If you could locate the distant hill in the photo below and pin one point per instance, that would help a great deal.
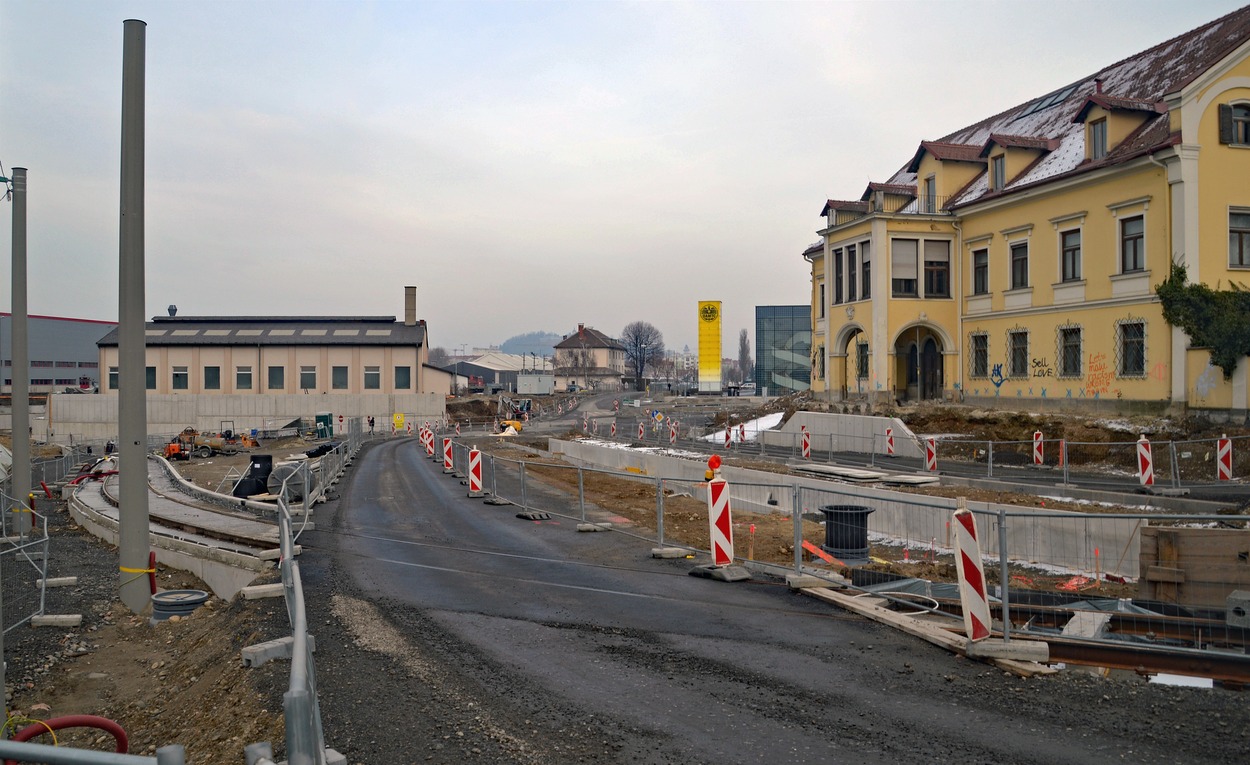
(540, 343)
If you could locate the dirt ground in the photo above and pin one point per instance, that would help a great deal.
(183, 681)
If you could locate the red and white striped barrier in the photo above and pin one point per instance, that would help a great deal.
(1145, 462)
(642, 431)
(807, 445)
(613, 429)
(1037, 447)
(616, 405)
(457, 430)
(672, 434)
(729, 435)
(972, 595)
(930, 454)
(720, 520)
(742, 432)
(889, 442)
(429, 443)
(1224, 459)
(447, 465)
(408, 426)
(475, 473)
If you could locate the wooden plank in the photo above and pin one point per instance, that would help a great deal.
(1165, 574)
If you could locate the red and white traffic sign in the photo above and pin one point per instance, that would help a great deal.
(1224, 459)
(721, 522)
(889, 442)
(930, 454)
(447, 466)
(340, 422)
(1037, 447)
(807, 445)
(972, 595)
(1145, 462)
(475, 473)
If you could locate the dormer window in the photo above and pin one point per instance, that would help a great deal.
(998, 172)
(1235, 124)
(1098, 139)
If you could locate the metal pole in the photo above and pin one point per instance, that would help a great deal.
(1176, 470)
(1063, 449)
(797, 513)
(524, 506)
(131, 361)
(659, 511)
(581, 493)
(20, 343)
(1003, 574)
(990, 463)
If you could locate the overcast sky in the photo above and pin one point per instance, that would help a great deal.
(527, 165)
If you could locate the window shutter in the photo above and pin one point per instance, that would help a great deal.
(1227, 129)
(903, 259)
(937, 252)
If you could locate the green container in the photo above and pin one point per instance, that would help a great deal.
(325, 425)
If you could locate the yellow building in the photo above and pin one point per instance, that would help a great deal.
(1018, 257)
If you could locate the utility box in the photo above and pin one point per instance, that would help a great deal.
(1238, 613)
(325, 425)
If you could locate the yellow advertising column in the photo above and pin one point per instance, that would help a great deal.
(709, 346)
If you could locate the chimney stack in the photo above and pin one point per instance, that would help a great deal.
(581, 329)
(410, 306)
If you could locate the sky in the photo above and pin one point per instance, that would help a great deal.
(527, 165)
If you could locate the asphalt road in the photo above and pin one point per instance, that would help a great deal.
(449, 630)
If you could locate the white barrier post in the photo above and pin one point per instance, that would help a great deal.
(930, 454)
(720, 517)
(889, 442)
(475, 474)
(447, 464)
(642, 431)
(807, 446)
(972, 595)
(1145, 462)
(1224, 458)
(613, 429)
(1037, 448)
(728, 436)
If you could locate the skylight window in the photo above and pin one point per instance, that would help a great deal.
(1046, 102)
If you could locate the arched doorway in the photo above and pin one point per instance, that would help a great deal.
(919, 364)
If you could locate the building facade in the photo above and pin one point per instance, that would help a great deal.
(589, 359)
(62, 351)
(262, 355)
(1019, 257)
(783, 348)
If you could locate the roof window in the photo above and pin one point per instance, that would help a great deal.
(1045, 102)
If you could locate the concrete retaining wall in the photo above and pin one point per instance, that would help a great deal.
(1035, 536)
(851, 432)
(94, 417)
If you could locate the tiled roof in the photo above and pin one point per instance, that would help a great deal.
(1140, 81)
(952, 152)
(857, 205)
(906, 189)
(813, 248)
(1041, 143)
(588, 337)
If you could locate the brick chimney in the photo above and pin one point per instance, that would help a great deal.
(410, 306)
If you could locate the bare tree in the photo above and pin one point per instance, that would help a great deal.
(439, 357)
(643, 345)
(744, 357)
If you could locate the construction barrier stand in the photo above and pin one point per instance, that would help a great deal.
(972, 595)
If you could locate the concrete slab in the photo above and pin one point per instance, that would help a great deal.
(58, 581)
(1016, 650)
(721, 573)
(594, 527)
(803, 581)
(915, 479)
(56, 620)
(493, 500)
(262, 653)
(258, 591)
(836, 471)
(669, 552)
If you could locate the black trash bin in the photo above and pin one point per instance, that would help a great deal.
(846, 531)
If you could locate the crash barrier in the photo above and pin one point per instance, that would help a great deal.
(305, 738)
(23, 564)
(1091, 464)
(774, 522)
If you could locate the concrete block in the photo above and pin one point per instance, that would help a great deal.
(261, 653)
(668, 552)
(334, 758)
(493, 500)
(58, 581)
(1017, 650)
(594, 527)
(258, 591)
(721, 573)
(803, 581)
(56, 620)
(276, 553)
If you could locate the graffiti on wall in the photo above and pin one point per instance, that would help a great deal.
(1042, 368)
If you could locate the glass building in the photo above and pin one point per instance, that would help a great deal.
(783, 348)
